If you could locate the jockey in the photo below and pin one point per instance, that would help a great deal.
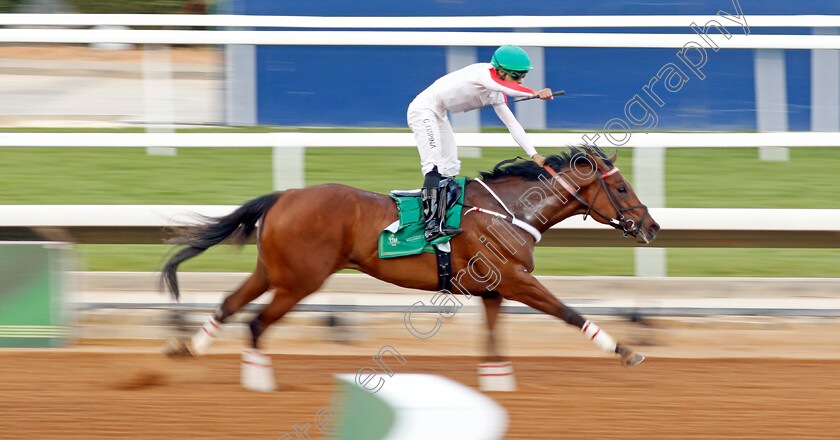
(475, 86)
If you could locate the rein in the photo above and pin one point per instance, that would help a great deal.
(620, 222)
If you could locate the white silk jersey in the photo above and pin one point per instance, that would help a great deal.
(473, 87)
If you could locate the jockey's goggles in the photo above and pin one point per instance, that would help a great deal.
(515, 74)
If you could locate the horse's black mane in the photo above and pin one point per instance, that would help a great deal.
(529, 170)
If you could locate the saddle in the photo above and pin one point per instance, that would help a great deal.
(453, 195)
(405, 236)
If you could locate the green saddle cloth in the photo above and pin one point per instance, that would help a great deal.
(408, 237)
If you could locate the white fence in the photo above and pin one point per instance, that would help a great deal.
(681, 227)
(387, 140)
(462, 22)
(409, 38)
(413, 38)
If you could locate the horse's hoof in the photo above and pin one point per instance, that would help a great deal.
(633, 359)
(175, 348)
(628, 356)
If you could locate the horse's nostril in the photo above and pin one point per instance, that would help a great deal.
(654, 228)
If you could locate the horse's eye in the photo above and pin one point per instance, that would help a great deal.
(622, 189)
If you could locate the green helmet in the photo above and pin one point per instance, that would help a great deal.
(511, 58)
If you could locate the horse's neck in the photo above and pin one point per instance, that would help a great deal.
(533, 202)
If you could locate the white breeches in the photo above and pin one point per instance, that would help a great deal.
(435, 141)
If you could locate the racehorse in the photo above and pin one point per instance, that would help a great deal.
(305, 235)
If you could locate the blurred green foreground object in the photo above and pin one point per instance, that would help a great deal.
(32, 313)
(402, 407)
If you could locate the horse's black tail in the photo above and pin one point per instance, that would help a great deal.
(237, 227)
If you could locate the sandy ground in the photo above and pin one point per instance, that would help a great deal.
(711, 378)
(71, 395)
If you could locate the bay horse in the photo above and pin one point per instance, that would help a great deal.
(305, 235)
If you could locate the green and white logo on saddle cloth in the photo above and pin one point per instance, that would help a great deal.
(405, 236)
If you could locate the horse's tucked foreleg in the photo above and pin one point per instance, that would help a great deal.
(532, 293)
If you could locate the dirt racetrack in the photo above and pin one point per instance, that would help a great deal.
(65, 395)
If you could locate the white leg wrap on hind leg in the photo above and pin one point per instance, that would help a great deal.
(202, 340)
(598, 336)
(257, 372)
(496, 376)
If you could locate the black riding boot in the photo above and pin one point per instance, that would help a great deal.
(444, 230)
(434, 213)
(430, 213)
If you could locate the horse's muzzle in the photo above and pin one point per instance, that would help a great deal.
(647, 235)
(641, 234)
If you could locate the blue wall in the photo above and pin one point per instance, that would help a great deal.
(372, 86)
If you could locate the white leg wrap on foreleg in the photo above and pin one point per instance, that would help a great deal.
(202, 340)
(598, 336)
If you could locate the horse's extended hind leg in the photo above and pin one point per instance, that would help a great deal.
(531, 292)
(251, 289)
(495, 374)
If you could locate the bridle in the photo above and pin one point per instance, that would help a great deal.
(626, 225)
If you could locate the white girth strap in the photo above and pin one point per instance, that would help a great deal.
(492, 193)
(528, 228)
(516, 222)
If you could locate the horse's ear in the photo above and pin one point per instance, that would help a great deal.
(593, 157)
(614, 156)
